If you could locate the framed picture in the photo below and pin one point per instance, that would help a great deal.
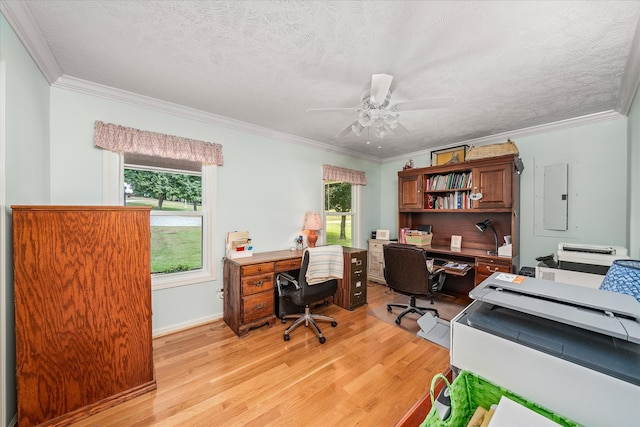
(456, 242)
(382, 234)
(449, 155)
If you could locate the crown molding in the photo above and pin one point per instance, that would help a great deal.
(19, 17)
(95, 89)
(533, 130)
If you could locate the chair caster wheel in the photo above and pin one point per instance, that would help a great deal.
(389, 309)
(398, 321)
(283, 320)
(322, 340)
(334, 324)
(287, 337)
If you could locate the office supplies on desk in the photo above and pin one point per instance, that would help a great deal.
(238, 244)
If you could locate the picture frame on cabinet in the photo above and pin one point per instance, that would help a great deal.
(382, 234)
(449, 155)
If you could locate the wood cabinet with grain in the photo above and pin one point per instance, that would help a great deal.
(82, 281)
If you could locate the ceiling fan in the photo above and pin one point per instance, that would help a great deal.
(375, 109)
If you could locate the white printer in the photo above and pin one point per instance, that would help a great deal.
(571, 349)
(582, 264)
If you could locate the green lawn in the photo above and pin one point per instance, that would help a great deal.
(333, 231)
(172, 248)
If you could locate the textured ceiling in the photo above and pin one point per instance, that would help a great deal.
(509, 65)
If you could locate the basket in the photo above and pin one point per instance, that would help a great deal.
(492, 150)
(468, 391)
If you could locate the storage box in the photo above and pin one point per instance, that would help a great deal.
(468, 391)
(419, 239)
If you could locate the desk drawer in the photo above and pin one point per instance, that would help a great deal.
(485, 267)
(257, 306)
(250, 270)
(254, 284)
(288, 264)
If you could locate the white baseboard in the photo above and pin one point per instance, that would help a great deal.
(185, 325)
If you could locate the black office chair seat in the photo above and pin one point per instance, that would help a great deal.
(300, 293)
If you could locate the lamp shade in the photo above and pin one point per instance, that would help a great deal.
(312, 221)
(624, 277)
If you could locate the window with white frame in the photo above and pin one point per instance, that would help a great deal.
(341, 202)
(180, 192)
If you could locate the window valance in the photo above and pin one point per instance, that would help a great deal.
(335, 173)
(129, 140)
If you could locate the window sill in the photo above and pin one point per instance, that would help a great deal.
(174, 280)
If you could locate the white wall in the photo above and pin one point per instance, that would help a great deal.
(265, 186)
(634, 179)
(598, 185)
(25, 180)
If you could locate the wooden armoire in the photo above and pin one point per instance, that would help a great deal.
(82, 282)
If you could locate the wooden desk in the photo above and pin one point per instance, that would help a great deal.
(248, 289)
(482, 264)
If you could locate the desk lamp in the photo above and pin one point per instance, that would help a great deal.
(312, 222)
(482, 226)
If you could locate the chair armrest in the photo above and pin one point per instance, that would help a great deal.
(283, 279)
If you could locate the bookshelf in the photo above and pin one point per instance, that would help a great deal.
(453, 198)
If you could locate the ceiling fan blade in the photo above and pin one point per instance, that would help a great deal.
(401, 130)
(346, 131)
(332, 110)
(380, 84)
(424, 104)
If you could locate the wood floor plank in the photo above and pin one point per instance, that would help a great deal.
(368, 372)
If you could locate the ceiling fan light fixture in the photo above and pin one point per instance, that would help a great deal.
(364, 119)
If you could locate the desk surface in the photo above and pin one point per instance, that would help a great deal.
(465, 252)
(281, 255)
(271, 256)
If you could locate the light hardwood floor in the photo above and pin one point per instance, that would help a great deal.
(368, 373)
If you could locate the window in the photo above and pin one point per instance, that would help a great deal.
(181, 196)
(340, 209)
(177, 176)
(176, 215)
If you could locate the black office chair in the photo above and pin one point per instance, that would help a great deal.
(406, 272)
(300, 293)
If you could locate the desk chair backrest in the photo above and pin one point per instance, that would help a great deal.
(308, 294)
(406, 270)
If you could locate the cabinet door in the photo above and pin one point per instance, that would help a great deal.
(410, 192)
(494, 182)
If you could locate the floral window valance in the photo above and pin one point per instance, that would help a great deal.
(335, 173)
(122, 139)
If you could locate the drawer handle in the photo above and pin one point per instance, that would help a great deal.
(357, 294)
(495, 270)
(259, 283)
(260, 306)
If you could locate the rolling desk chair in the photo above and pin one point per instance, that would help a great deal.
(406, 272)
(317, 280)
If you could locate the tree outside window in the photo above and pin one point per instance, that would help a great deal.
(338, 213)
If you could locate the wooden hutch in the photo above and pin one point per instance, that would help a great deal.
(452, 198)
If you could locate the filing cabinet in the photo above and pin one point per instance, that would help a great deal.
(352, 289)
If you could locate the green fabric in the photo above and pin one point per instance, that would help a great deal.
(468, 391)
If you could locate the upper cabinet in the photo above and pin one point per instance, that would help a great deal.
(410, 191)
(485, 184)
